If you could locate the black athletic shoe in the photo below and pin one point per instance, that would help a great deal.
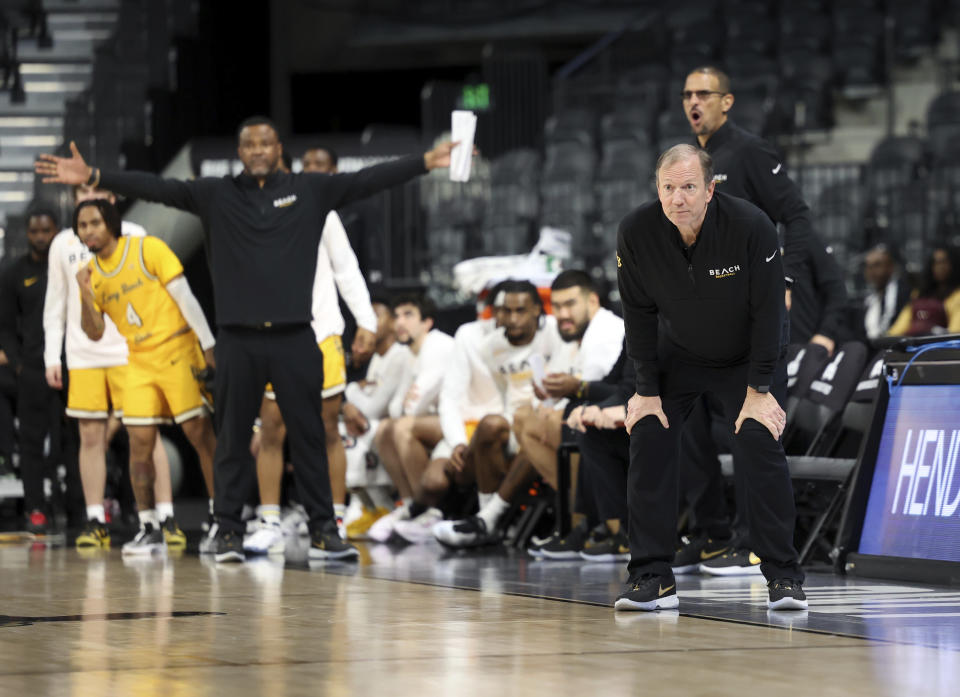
(649, 592)
(229, 546)
(607, 548)
(37, 523)
(786, 594)
(569, 547)
(733, 562)
(326, 543)
(696, 551)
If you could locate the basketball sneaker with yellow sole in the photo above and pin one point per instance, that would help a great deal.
(173, 535)
(93, 536)
(357, 529)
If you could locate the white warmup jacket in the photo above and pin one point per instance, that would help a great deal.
(61, 308)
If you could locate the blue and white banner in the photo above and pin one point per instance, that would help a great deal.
(913, 509)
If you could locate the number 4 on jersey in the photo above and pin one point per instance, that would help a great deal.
(133, 318)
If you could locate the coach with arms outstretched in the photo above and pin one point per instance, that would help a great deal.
(701, 281)
(262, 228)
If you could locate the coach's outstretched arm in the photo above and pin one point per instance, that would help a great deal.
(75, 171)
(337, 190)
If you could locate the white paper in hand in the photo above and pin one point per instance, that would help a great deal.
(463, 127)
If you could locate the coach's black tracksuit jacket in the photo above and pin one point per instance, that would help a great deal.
(717, 304)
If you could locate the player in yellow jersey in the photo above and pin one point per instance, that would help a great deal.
(139, 284)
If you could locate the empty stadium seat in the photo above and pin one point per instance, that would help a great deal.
(895, 162)
(577, 125)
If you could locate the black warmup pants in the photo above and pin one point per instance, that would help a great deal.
(8, 401)
(287, 356)
(652, 487)
(701, 479)
(604, 459)
(39, 411)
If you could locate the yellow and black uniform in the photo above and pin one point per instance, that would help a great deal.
(165, 358)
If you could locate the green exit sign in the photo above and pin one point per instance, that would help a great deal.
(475, 97)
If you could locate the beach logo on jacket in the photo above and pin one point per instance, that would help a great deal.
(285, 201)
(719, 178)
(725, 272)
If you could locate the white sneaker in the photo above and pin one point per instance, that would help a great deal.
(384, 527)
(208, 543)
(419, 529)
(147, 543)
(294, 522)
(469, 532)
(266, 539)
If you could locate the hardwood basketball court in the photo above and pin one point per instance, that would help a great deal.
(419, 620)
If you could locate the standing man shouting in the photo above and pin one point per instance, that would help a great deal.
(262, 231)
(702, 287)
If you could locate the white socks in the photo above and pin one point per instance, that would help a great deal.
(492, 511)
(165, 510)
(96, 513)
(150, 517)
(270, 514)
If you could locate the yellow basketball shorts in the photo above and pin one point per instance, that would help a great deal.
(163, 384)
(334, 369)
(95, 393)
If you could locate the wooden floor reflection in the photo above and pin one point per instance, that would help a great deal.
(73, 625)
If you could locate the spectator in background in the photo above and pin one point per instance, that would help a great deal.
(935, 307)
(889, 291)
(22, 290)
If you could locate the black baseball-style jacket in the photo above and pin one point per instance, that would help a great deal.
(262, 243)
(719, 303)
(22, 289)
(747, 166)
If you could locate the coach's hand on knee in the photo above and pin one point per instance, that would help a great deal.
(763, 408)
(641, 407)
